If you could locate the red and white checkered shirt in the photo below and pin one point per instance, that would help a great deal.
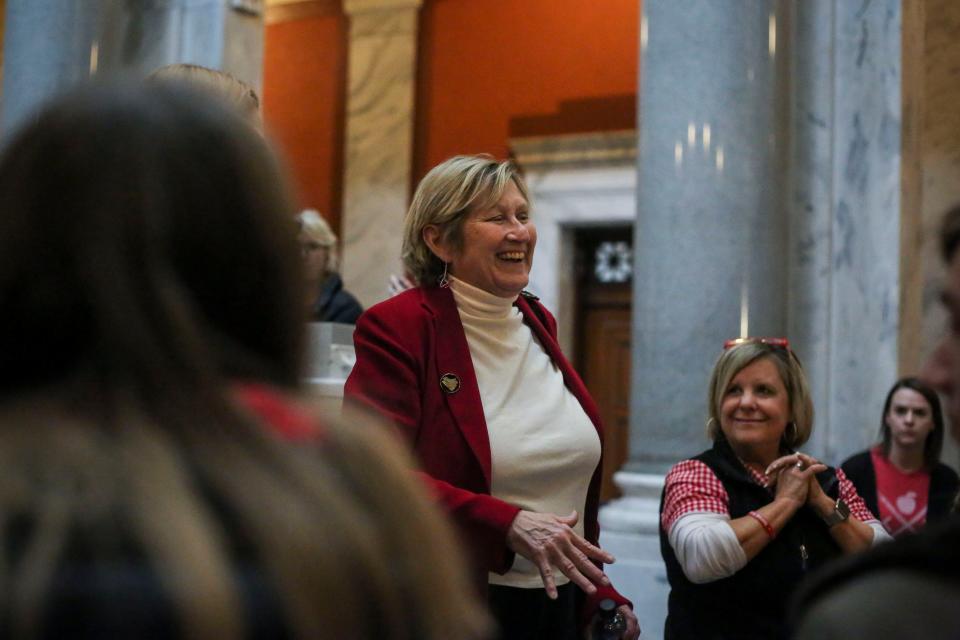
(692, 487)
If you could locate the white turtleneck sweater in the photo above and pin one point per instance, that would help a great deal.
(543, 447)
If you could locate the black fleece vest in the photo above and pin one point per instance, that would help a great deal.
(752, 603)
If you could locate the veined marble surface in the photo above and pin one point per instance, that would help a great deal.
(845, 222)
(378, 141)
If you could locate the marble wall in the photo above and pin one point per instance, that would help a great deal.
(844, 199)
(379, 134)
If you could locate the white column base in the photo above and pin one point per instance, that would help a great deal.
(629, 529)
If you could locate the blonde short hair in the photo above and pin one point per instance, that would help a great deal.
(316, 228)
(219, 83)
(445, 196)
(734, 359)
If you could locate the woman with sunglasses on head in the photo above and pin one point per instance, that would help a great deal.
(744, 521)
(902, 479)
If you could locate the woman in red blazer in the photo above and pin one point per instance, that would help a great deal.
(468, 366)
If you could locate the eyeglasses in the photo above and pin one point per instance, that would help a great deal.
(783, 343)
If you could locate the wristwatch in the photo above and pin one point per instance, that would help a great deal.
(839, 514)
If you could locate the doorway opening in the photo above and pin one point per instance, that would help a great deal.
(604, 294)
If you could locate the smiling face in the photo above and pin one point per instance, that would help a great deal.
(498, 243)
(909, 420)
(754, 411)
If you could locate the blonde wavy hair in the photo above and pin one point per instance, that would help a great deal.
(445, 197)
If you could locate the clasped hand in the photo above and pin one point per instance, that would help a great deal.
(794, 477)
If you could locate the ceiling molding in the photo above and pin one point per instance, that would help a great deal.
(354, 7)
(287, 10)
(581, 149)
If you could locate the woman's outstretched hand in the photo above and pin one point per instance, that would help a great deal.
(548, 540)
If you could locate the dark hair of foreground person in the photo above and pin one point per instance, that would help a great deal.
(157, 477)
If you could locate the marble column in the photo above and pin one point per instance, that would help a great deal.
(710, 243)
(48, 45)
(51, 45)
(711, 227)
(379, 135)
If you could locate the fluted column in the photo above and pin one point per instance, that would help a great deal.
(379, 137)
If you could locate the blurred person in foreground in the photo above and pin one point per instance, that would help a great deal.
(327, 300)
(468, 366)
(901, 478)
(158, 476)
(909, 589)
(743, 522)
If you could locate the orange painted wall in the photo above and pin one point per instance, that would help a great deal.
(303, 104)
(489, 69)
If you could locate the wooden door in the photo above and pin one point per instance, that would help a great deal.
(604, 264)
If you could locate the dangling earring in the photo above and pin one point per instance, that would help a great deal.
(790, 433)
(712, 431)
(443, 282)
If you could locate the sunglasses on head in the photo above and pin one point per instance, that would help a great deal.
(773, 342)
(779, 343)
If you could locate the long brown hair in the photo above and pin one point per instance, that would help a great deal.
(146, 262)
(933, 445)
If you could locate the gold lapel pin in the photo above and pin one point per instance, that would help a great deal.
(450, 383)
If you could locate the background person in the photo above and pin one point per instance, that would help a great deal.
(743, 522)
(468, 366)
(157, 478)
(902, 479)
(327, 300)
(217, 83)
(908, 589)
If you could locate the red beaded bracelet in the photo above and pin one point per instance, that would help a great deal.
(756, 515)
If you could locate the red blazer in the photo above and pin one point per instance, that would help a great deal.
(404, 345)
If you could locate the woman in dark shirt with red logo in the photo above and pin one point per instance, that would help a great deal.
(902, 479)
